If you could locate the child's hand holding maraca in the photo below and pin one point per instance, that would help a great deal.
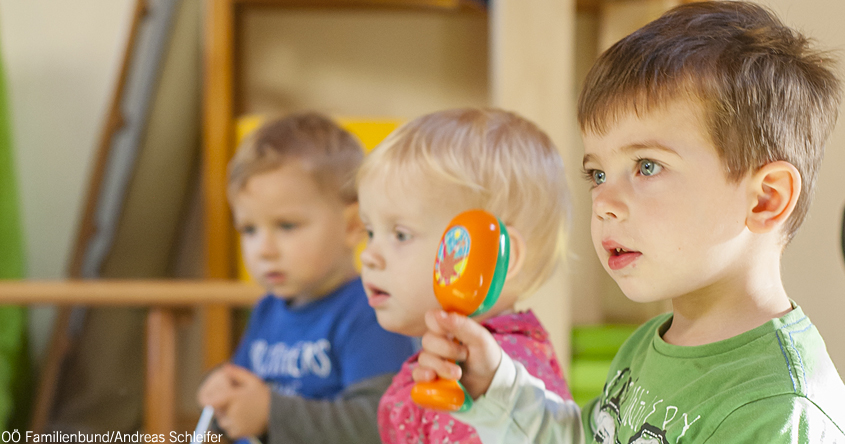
(476, 350)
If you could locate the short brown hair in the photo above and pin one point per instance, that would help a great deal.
(331, 153)
(767, 94)
(498, 161)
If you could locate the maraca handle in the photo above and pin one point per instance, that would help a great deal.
(442, 394)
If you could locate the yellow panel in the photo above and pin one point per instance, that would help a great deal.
(246, 125)
(370, 132)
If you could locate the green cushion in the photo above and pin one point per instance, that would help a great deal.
(593, 349)
(599, 341)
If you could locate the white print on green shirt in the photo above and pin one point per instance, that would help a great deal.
(624, 404)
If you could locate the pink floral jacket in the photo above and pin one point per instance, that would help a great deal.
(521, 337)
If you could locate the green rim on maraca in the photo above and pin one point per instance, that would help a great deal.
(499, 274)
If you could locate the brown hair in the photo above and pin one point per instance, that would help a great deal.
(767, 94)
(331, 153)
(498, 161)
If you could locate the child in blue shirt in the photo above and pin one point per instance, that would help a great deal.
(313, 361)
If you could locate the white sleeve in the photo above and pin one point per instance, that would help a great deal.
(517, 408)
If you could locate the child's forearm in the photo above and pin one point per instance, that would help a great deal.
(351, 417)
(518, 408)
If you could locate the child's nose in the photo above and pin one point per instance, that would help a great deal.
(608, 203)
(268, 247)
(371, 257)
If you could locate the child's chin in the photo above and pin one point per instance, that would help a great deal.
(394, 326)
(284, 292)
(642, 296)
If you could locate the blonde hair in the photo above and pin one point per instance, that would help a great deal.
(500, 162)
(328, 151)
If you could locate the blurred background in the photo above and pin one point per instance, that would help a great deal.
(121, 114)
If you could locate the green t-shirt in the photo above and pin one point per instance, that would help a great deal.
(773, 384)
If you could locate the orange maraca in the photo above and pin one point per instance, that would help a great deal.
(469, 272)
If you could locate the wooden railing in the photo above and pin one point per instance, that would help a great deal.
(163, 298)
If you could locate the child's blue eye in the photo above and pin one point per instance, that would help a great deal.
(370, 234)
(287, 226)
(246, 230)
(599, 177)
(649, 167)
(402, 236)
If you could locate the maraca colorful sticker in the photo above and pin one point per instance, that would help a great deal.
(452, 256)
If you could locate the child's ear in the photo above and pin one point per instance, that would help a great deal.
(354, 227)
(517, 253)
(773, 193)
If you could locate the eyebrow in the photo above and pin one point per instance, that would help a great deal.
(647, 145)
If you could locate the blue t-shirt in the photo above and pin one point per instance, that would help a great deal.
(318, 349)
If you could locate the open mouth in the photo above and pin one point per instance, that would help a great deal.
(618, 251)
(376, 296)
(620, 257)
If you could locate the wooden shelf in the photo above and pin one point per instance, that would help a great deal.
(591, 6)
(436, 5)
(595, 6)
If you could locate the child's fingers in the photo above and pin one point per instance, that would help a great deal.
(432, 322)
(423, 374)
(461, 328)
(227, 425)
(214, 391)
(229, 369)
(444, 368)
(218, 400)
(214, 380)
(202, 395)
(444, 347)
(237, 374)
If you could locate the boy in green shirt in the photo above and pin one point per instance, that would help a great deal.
(704, 132)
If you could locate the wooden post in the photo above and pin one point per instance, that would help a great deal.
(218, 144)
(532, 70)
(160, 392)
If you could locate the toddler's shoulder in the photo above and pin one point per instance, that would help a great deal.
(268, 307)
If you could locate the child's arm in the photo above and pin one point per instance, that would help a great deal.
(253, 410)
(245, 406)
(351, 417)
(518, 408)
(511, 405)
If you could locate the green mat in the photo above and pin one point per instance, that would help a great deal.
(593, 349)
(15, 369)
